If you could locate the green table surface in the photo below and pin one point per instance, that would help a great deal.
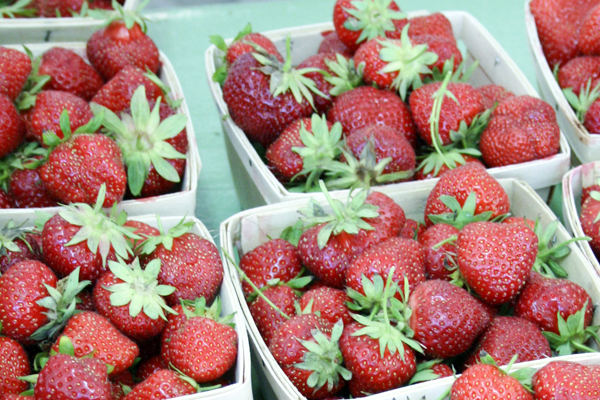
(183, 35)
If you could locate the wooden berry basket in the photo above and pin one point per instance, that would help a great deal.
(585, 146)
(572, 188)
(248, 229)
(495, 66)
(39, 30)
(177, 203)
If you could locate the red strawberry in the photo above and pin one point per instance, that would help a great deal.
(576, 72)
(52, 8)
(567, 380)
(446, 319)
(85, 301)
(367, 105)
(16, 397)
(468, 106)
(590, 210)
(118, 383)
(330, 302)
(92, 333)
(28, 190)
(148, 367)
(298, 361)
(588, 33)
(132, 299)
(521, 129)
(435, 24)
(120, 44)
(421, 174)
(331, 43)
(592, 118)
(507, 336)
(320, 61)
(412, 229)
(439, 262)
(266, 318)
(116, 94)
(13, 364)
(162, 384)
(16, 245)
(354, 22)
(69, 73)
(188, 262)
(493, 94)
(12, 127)
(21, 287)
(5, 200)
(459, 183)
(15, 67)
(445, 48)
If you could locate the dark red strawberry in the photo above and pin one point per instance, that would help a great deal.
(331, 43)
(116, 94)
(268, 319)
(446, 319)
(12, 127)
(367, 105)
(5, 200)
(146, 368)
(298, 362)
(440, 262)
(15, 67)
(28, 190)
(119, 382)
(435, 24)
(320, 61)
(162, 384)
(522, 128)
(17, 244)
(507, 336)
(567, 380)
(14, 364)
(493, 94)
(354, 22)
(85, 301)
(330, 302)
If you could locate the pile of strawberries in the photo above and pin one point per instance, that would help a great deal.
(569, 31)
(67, 127)
(361, 300)
(53, 8)
(385, 99)
(103, 307)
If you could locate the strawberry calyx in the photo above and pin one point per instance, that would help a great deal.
(166, 239)
(573, 334)
(372, 301)
(522, 375)
(347, 75)
(60, 305)
(98, 230)
(293, 233)
(118, 13)
(284, 78)
(33, 85)
(409, 61)
(140, 289)
(425, 372)
(197, 308)
(449, 155)
(347, 218)
(362, 172)
(166, 90)
(461, 74)
(460, 216)
(142, 138)
(324, 358)
(9, 233)
(372, 18)
(586, 97)
(19, 8)
(220, 73)
(297, 284)
(19, 159)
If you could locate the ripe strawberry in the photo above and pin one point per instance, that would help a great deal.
(116, 94)
(28, 190)
(330, 302)
(85, 301)
(421, 173)
(496, 259)
(15, 67)
(13, 364)
(440, 263)
(5, 200)
(15, 397)
(367, 105)
(445, 48)
(12, 127)
(162, 384)
(460, 183)
(294, 347)
(590, 223)
(576, 72)
(446, 319)
(587, 42)
(493, 94)
(521, 129)
(266, 318)
(123, 42)
(261, 109)
(118, 383)
(567, 380)
(435, 24)
(331, 43)
(17, 244)
(354, 23)
(412, 229)
(321, 62)
(92, 333)
(468, 105)
(21, 287)
(507, 336)
(132, 299)
(146, 368)
(52, 8)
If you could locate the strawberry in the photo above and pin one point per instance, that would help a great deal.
(496, 259)
(576, 72)
(435, 24)
(331, 43)
(493, 94)
(152, 168)
(17, 244)
(142, 230)
(29, 191)
(123, 42)
(306, 345)
(92, 333)
(460, 183)
(445, 318)
(15, 68)
(119, 384)
(85, 301)
(12, 127)
(355, 22)
(321, 61)
(188, 262)
(263, 109)
(54, 8)
(330, 302)
(412, 229)
(275, 259)
(427, 173)
(132, 299)
(14, 364)
(267, 318)
(116, 94)
(148, 367)
(5, 200)
(367, 105)
(446, 50)
(507, 336)
(71, 239)
(567, 380)
(522, 128)
(162, 384)
(588, 32)
(440, 263)
(588, 217)
(16, 397)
